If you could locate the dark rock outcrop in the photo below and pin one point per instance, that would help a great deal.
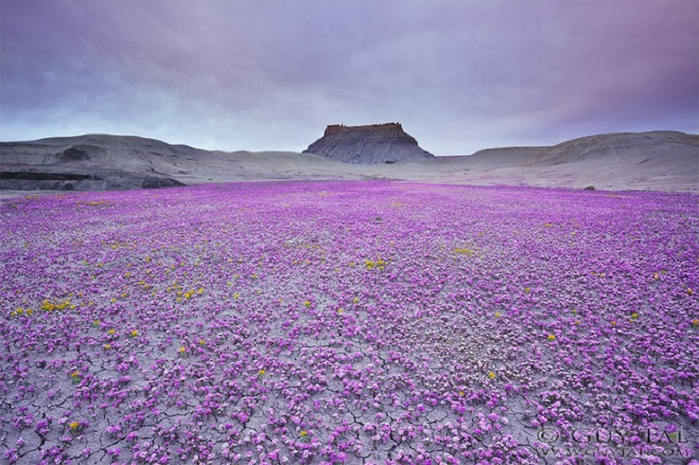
(75, 153)
(370, 144)
(28, 178)
(153, 182)
(36, 176)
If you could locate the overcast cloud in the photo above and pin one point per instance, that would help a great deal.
(270, 74)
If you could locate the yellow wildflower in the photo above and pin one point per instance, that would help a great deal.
(491, 374)
(551, 337)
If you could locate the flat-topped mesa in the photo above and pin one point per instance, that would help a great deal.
(368, 144)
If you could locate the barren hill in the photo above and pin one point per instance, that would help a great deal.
(659, 160)
(105, 162)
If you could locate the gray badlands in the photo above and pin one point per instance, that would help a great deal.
(660, 160)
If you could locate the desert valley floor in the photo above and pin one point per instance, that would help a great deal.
(349, 322)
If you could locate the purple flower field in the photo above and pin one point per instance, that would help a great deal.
(355, 322)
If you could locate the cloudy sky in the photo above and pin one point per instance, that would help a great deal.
(271, 74)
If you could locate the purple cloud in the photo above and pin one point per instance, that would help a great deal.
(270, 75)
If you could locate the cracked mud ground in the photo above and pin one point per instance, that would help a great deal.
(367, 322)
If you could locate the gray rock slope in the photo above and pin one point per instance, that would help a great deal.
(366, 145)
(89, 162)
(657, 160)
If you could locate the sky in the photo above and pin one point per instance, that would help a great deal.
(271, 74)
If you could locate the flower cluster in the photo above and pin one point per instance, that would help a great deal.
(344, 323)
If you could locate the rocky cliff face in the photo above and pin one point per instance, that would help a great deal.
(371, 144)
